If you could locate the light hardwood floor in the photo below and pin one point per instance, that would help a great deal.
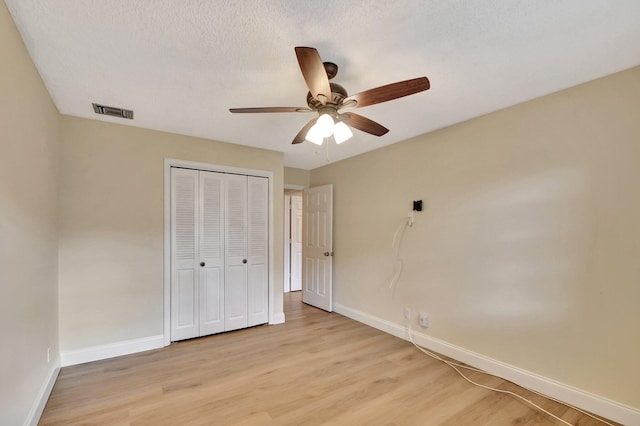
(316, 369)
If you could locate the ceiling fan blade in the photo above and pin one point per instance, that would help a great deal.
(389, 92)
(300, 137)
(314, 73)
(363, 123)
(271, 109)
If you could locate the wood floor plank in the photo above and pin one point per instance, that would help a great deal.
(318, 368)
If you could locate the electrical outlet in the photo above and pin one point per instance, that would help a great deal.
(407, 313)
(424, 320)
(48, 355)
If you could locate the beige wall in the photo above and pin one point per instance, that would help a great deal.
(528, 249)
(29, 141)
(297, 177)
(112, 225)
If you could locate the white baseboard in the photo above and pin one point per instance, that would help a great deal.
(278, 318)
(43, 395)
(111, 350)
(587, 401)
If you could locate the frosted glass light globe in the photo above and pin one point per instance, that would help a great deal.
(314, 135)
(341, 132)
(325, 125)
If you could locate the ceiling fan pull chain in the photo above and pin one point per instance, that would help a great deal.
(327, 144)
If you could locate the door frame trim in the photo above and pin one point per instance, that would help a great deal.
(172, 162)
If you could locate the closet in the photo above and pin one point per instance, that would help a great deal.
(219, 252)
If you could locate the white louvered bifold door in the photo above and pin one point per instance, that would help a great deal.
(212, 252)
(258, 259)
(236, 252)
(219, 252)
(184, 254)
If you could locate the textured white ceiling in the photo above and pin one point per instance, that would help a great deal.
(180, 64)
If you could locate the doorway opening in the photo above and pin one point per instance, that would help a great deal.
(292, 240)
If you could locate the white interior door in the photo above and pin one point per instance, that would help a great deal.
(258, 250)
(296, 243)
(212, 236)
(185, 256)
(236, 252)
(219, 252)
(317, 248)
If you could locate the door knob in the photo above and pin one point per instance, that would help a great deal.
(326, 253)
(244, 260)
(202, 263)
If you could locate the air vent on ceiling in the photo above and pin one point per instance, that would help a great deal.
(112, 111)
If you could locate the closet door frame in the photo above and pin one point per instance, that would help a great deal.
(274, 317)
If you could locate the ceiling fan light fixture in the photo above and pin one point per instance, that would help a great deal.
(314, 135)
(341, 132)
(328, 99)
(325, 125)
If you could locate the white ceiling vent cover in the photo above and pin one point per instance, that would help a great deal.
(112, 111)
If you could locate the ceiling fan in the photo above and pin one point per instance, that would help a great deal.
(327, 99)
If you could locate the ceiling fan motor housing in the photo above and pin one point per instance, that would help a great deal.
(338, 94)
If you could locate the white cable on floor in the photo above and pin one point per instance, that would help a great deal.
(395, 246)
(455, 365)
